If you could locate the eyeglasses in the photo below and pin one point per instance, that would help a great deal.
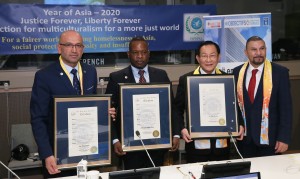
(135, 53)
(212, 56)
(71, 46)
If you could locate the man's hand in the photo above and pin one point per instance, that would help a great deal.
(118, 149)
(175, 144)
(112, 113)
(281, 147)
(51, 165)
(241, 133)
(185, 135)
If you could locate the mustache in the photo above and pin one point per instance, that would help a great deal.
(259, 57)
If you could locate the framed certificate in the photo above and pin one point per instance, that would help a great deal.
(82, 130)
(211, 104)
(146, 116)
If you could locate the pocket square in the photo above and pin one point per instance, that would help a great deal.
(90, 88)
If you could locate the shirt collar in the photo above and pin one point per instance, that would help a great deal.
(260, 68)
(135, 70)
(204, 73)
(69, 68)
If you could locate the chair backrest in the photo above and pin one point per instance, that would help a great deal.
(22, 134)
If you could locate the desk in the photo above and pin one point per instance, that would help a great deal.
(272, 167)
(25, 164)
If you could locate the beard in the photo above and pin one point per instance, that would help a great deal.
(258, 60)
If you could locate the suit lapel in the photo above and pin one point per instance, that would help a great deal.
(84, 78)
(128, 75)
(152, 76)
(245, 90)
(259, 92)
(63, 77)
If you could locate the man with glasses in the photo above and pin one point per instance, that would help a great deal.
(138, 72)
(208, 57)
(67, 76)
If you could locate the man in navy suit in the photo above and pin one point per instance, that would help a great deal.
(139, 56)
(57, 79)
(264, 98)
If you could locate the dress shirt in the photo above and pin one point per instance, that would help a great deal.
(136, 74)
(69, 69)
(258, 76)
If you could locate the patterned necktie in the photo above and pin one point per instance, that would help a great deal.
(142, 78)
(252, 84)
(76, 84)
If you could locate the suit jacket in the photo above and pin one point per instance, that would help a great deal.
(181, 103)
(48, 82)
(280, 107)
(126, 76)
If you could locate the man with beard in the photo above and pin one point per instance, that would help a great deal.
(264, 98)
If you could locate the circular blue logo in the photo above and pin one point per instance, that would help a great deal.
(196, 23)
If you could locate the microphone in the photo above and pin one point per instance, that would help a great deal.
(10, 170)
(102, 85)
(233, 140)
(139, 135)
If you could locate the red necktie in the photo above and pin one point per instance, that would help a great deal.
(252, 84)
(142, 78)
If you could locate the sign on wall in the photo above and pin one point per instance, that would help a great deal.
(35, 28)
(231, 33)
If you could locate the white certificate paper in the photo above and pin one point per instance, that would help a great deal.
(83, 131)
(146, 116)
(212, 104)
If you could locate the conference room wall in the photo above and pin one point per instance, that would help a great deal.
(14, 103)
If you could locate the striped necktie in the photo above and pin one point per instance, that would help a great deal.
(76, 83)
(142, 78)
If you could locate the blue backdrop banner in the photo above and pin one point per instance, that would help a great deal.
(35, 29)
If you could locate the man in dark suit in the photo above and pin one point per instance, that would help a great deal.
(57, 79)
(139, 56)
(264, 97)
(208, 57)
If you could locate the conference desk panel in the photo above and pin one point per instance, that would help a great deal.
(272, 167)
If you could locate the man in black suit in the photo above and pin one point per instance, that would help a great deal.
(139, 56)
(266, 108)
(208, 57)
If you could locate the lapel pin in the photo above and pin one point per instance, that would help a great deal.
(61, 74)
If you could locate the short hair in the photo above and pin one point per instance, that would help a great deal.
(135, 39)
(207, 43)
(254, 38)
